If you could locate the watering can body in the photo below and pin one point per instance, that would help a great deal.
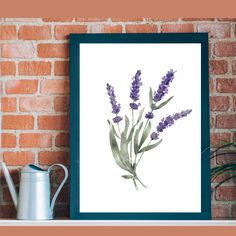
(33, 201)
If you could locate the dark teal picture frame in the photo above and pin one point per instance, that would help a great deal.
(75, 40)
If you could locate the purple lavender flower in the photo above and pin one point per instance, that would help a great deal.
(136, 84)
(154, 136)
(117, 119)
(149, 115)
(134, 106)
(169, 120)
(163, 87)
(115, 106)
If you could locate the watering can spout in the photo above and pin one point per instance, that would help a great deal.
(10, 183)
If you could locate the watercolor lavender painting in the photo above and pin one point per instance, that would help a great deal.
(128, 145)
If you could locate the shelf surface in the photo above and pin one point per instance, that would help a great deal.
(10, 222)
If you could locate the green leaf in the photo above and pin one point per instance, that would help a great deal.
(131, 134)
(149, 147)
(140, 115)
(113, 128)
(126, 125)
(124, 154)
(127, 176)
(145, 134)
(163, 103)
(115, 133)
(150, 98)
(115, 150)
(136, 137)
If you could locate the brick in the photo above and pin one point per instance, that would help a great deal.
(8, 140)
(177, 28)
(212, 121)
(59, 122)
(22, 19)
(17, 122)
(21, 86)
(90, 19)
(234, 210)
(225, 49)
(8, 32)
(7, 211)
(218, 138)
(219, 103)
(234, 67)
(53, 157)
(106, 28)
(18, 50)
(39, 104)
(226, 19)
(211, 86)
(147, 28)
(226, 85)
(62, 140)
(58, 19)
(55, 86)
(61, 68)
(30, 140)
(220, 211)
(63, 31)
(18, 158)
(64, 194)
(226, 121)
(218, 67)
(62, 210)
(215, 30)
(165, 19)
(8, 104)
(53, 50)
(30, 32)
(226, 157)
(234, 103)
(197, 19)
(220, 177)
(59, 175)
(7, 68)
(61, 104)
(6, 195)
(226, 193)
(34, 68)
(126, 19)
(15, 175)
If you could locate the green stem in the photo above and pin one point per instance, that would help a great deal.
(135, 184)
(135, 159)
(119, 129)
(141, 182)
(146, 124)
(143, 153)
(131, 143)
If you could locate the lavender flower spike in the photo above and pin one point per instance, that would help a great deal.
(169, 120)
(154, 136)
(134, 94)
(163, 87)
(149, 115)
(115, 106)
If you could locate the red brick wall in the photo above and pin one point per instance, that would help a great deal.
(35, 91)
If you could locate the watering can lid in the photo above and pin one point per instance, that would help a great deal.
(30, 168)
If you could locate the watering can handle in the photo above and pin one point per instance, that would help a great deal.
(60, 186)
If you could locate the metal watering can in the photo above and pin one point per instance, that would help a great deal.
(33, 201)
